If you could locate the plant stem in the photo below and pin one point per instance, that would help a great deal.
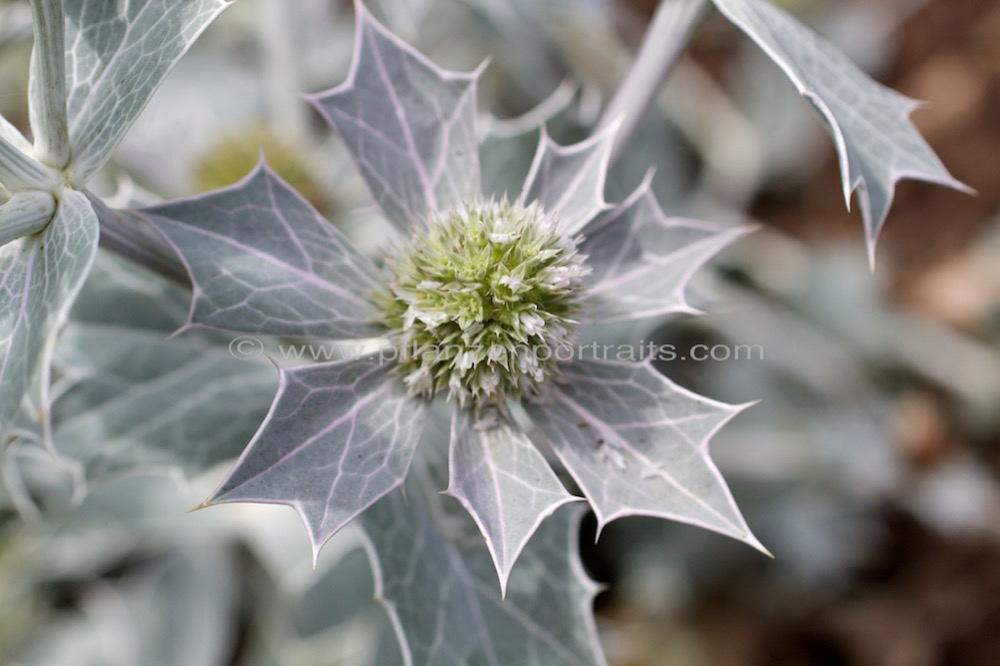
(666, 39)
(129, 236)
(47, 89)
(20, 172)
(281, 71)
(26, 213)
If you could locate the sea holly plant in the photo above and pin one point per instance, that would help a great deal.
(481, 421)
(480, 308)
(94, 66)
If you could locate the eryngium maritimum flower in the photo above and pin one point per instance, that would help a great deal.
(482, 302)
(474, 279)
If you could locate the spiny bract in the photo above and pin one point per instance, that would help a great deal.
(482, 300)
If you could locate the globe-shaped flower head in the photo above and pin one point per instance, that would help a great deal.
(482, 302)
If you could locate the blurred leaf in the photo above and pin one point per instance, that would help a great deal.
(120, 293)
(876, 142)
(174, 612)
(145, 402)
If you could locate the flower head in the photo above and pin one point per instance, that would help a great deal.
(481, 299)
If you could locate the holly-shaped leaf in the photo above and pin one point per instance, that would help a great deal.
(262, 260)
(39, 278)
(637, 444)
(410, 125)
(442, 596)
(338, 437)
(568, 181)
(642, 260)
(504, 482)
(876, 142)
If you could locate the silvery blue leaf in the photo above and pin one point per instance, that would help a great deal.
(118, 292)
(568, 181)
(504, 482)
(39, 278)
(637, 444)
(876, 142)
(262, 260)
(144, 402)
(410, 125)
(176, 610)
(338, 437)
(441, 593)
(117, 56)
(642, 260)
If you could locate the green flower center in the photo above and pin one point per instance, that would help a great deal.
(481, 302)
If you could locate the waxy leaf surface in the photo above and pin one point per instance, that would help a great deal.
(568, 181)
(410, 125)
(642, 260)
(47, 83)
(504, 482)
(24, 214)
(338, 437)
(118, 54)
(262, 260)
(876, 142)
(40, 277)
(442, 596)
(638, 445)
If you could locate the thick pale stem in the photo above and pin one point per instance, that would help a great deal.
(281, 69)
(666, 39)
(137, 242)
(47, 90)
(20, 172)
(25, 214)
